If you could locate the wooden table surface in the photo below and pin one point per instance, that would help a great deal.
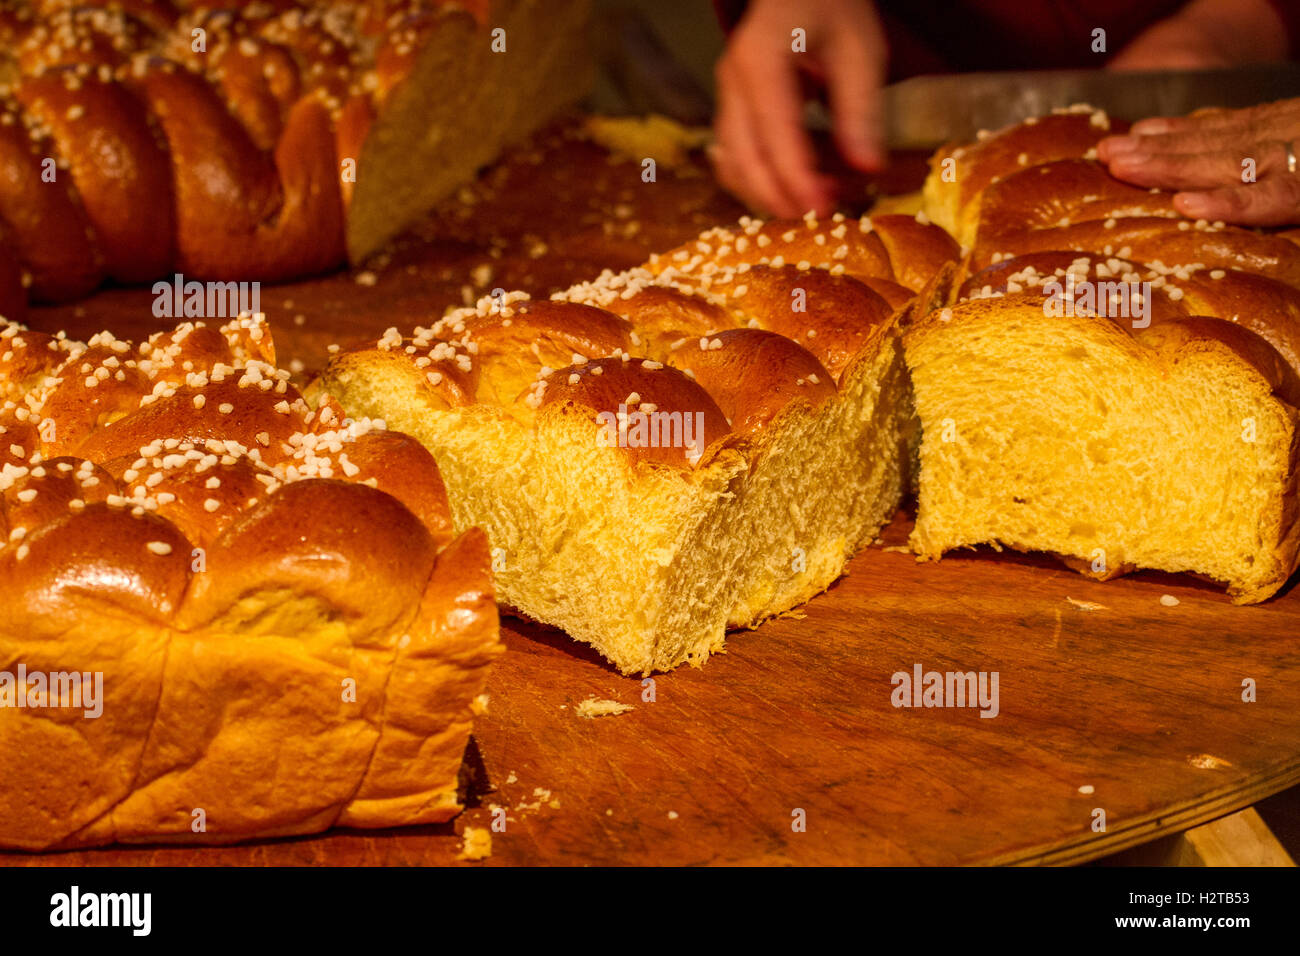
(1137, 700)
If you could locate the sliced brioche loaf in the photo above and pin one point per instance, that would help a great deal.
(1164, 448)
(791, 382)
(1112, 382)
(279, 628)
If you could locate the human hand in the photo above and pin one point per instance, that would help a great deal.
(1233, 165)
(762, 151)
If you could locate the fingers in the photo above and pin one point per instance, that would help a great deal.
(1280, 120)
(775, 105)
(1270, 202)
(1187, 170)
(762, 152)
(1212, 188)
(1203, 131)
(738, 161)
(1206, 155)
(1173, 142)
(1204, 119)
(855, 71)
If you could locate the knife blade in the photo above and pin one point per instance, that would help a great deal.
(926, 111)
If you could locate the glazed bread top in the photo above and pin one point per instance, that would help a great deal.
(733, 326)
(139, 137)
(183, 481)
(961, 172)
(1037, 187)
(1256, 315)
(1039, 216)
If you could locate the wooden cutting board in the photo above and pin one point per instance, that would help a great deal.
(1109, 700)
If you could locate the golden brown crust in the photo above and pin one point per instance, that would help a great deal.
(612, 391)
(245, 573)
(1076, 205)
(400, 466)
(86, 560)
(916, 249)
(229, 125)
(126, 172)
(901, 249)
(753, 374)
(45, 492)
(375, 582)
(1266, 308)
(829, 315)
(1050, 194)
(671, 462)
(979, 165)
(664, 316)
(509, 345)
(758, 331)
(821, 244)
(1256, 351)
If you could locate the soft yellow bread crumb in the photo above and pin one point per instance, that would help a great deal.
(634, 137)
(906, 204)
(592, 708)
(1086, 605)
(1112, 446)
(476, 844)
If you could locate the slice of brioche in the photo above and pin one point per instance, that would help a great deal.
(647, 557)
(1169, 447)
(475, 86)
(781, 337)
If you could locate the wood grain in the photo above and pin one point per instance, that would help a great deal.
(1239, 839)
(1140, 701)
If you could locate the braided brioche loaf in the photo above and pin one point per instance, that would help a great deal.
(288, 633)
(1111, 382)
(251, 141)
(664, 453)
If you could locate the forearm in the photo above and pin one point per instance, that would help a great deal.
(1210, 33)
(1246, 30)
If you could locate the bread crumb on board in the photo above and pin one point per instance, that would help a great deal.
(476, 844)
(634, 138)
(592, 708)
(1087, 605)
(1168, 600)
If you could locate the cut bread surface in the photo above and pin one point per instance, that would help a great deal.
(1107, 380)
(1165, 449)
(516, 71)
(781, 339)
(650, 564)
